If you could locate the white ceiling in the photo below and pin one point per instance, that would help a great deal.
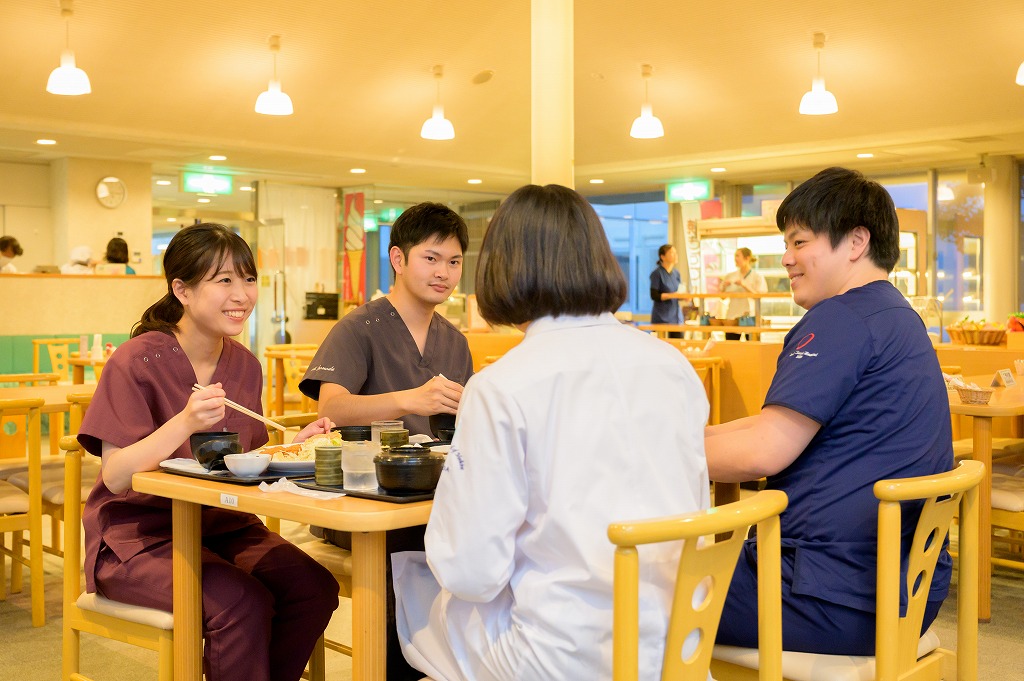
(919, 84)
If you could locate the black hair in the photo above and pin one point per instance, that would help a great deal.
(545, 253)
(190, 257)
(11, 243)
(835, 202)
(427, 221)
(117, 250)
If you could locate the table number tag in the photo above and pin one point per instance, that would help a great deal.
(1004, 377)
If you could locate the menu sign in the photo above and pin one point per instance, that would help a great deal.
(1004, 377)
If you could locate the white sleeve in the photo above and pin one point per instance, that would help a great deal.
(481, 499)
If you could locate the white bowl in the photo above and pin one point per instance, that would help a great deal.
(247, 465)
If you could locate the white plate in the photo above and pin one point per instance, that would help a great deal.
(292, 466)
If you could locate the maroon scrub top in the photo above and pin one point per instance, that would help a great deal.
(145, 382)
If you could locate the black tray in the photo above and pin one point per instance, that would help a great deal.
(380, 495)
(233, 479)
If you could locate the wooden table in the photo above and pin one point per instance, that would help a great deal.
(78, 365)
(56, 397)
(1005, 402)
(366, 519)
(662, 330)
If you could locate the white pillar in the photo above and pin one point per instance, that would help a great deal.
(1000, 247)
(551, 90)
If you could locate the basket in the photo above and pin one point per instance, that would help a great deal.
(976, 336)
(725, 322)
(975, 396)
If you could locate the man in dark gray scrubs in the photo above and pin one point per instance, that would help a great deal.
(396, 358)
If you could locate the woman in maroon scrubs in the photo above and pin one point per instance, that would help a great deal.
(265, 602)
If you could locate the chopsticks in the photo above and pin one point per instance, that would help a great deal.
(247, 412)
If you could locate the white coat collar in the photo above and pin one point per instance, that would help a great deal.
(545, 324)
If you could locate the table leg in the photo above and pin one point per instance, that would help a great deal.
(369, 640)
(982, 428)
(188, 591)
(716, 397)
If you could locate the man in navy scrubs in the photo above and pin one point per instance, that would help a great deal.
(857, 397)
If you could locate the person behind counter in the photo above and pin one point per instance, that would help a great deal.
(665, 278)
(9, 250)
(265, 602)
(79, 261)
(117, 254)
(857, 397)
(744, 278)
(585, 422)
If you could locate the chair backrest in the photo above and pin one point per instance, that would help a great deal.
(58, 357)
(705, 570)
(30, 379)
(79, 404)
(943, 495)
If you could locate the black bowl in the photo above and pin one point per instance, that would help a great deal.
(209, 448)
(446, 434)
(440, 422)
(354, 433)
(398, 471)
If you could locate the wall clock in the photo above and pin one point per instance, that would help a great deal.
(111, 192)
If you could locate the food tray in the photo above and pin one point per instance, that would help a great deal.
(380, 495)
(976, 336)
(226, 476)
(972, 396)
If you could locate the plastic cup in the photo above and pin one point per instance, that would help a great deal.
(377, 426)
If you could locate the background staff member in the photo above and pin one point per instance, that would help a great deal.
(9, 250)
(857, 397)
(744, 278)
(665, 278)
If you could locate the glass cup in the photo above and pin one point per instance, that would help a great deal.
(358, 470)
(377, 426)
(1018, 367)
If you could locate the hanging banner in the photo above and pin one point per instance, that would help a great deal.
(353, 260)
(691, 244)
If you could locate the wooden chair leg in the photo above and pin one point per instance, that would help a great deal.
(3, 566)
(18, 551)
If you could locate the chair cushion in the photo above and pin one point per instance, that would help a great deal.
(1007, 492)
(54, 494)
(814, 667)
(12, 499)
(1001, 447)
(15, 466)
(54, 477)
(337, 560)
(133, 613)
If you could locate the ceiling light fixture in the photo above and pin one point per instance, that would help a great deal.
(597, 180)
(357, 171)
(437, 127)
(865, 155)
(68, 79)
(273, 102)
(46, 143)
(818, 101)
(218, 157)
(646, 126)
(718, 169)
(1020, 74)
(164, 183)
(474, 181)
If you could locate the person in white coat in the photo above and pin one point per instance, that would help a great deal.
(586, 422)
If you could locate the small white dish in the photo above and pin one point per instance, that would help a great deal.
(247, 465)
(307, 466)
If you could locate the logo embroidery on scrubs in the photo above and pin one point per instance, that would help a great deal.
(321, 367)
(804, 342)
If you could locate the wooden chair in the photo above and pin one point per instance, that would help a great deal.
(901, 653)
(703, 564)
(52, 481)
(22, 511)
(59, 350)
(288, 381)
(91, 613)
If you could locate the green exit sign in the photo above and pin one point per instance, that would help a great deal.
(690, 190)
(205, 183)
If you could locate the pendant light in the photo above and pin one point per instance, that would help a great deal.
(818, 101)
(273, 102)
(437, 127)
(646, 126)
(68, 79)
